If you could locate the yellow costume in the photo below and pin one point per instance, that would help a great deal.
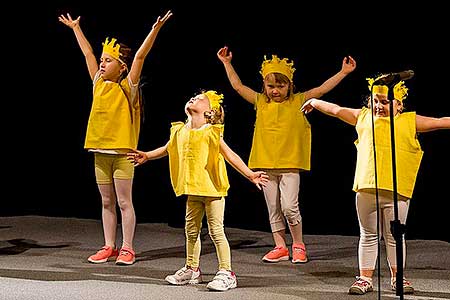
(282, 135)
(114, 121)
(196, 165)
(408, 153)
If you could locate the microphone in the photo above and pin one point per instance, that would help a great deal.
(394, 78)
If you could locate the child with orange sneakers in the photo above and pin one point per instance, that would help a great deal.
(113, 130)
(373, 184)
(281, 144)
(197, 154)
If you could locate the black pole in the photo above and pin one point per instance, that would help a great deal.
(397, 229)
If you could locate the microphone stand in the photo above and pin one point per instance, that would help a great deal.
(397, 229)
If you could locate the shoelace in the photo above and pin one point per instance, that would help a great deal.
(299, 249)
(362, 283)
(124, 252)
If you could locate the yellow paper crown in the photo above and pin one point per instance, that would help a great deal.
(276, 65)
(214, 99)
(400, 90)
(112, 48)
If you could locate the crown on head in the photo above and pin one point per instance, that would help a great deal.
(214, 99)
(112, 48)
(400, 90)
(277, 65)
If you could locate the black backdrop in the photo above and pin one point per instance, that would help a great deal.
(54, 175)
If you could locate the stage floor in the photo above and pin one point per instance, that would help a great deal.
(46, 258)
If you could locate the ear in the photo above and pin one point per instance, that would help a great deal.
(123, 68)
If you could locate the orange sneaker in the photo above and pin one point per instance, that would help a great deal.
(299, 253)
(277, 254)
(126, 256)
(103, 255)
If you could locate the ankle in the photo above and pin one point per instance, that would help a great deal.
(366, 278)
(195, 269)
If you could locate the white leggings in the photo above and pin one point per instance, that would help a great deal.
(281, 194)
(367, 216)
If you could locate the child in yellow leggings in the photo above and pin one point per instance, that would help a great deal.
(197, 154)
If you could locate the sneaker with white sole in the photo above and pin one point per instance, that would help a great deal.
(407, 286)
(184, 276)
(361, 286)
(277, 254)
(223, 281)
(103, 255)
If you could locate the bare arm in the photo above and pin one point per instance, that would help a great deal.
(141, 53)
(424, 124)
(348, 65)
(139, 157)
(259, 178)
(247, 93)
(84, 44)
(348, 115)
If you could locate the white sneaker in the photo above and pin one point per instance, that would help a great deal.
(185, 276)
(223, 281)
(361, 286)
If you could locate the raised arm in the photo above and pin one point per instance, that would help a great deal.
(139, 157)
(91, 60)
(141, 53)
(348, 115)
(424, 124)
(348, 65)
(225, 56)
(259, 178)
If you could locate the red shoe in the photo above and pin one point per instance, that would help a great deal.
(103, 255)
(126, 256)
(277, 254)
(299, 253)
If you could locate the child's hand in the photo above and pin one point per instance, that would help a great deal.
(307, 106)
(68, 21)
(137, 157)
(224, 55)
(160, 21)
(348, 64)
(259, 178)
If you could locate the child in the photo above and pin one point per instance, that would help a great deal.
(113, 130)
(196, 152)
(408, 157)
(281, 144)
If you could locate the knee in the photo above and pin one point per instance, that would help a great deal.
(292, 215)
(217, 233)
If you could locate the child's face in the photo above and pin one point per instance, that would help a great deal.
(276, 91)
(381, 105)
(110, 68)
(199, 104)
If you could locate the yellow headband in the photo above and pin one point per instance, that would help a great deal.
(112, 48)
(276, 65)
(400, 90)
(214, 99)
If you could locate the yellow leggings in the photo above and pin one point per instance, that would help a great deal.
(214, 207)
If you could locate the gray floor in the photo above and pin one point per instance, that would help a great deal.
(45, 258)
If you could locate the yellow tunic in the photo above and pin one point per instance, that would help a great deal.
(114, 122)
(196, 165)
(408, 153)
(282, 135)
